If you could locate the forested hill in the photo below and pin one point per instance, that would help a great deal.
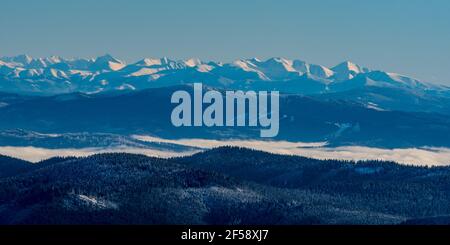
(225, 185)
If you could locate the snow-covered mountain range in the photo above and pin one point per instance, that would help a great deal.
(54, 75)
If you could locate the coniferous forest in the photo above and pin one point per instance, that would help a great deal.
(226, 185)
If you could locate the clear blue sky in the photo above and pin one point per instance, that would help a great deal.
(406, 36)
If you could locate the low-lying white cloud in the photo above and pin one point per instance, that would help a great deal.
(36, 154)
(318, 150)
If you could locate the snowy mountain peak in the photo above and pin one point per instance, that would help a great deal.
(349, 66)
(149, 62)
(348, 70)
(287, 64)
(107, 62)
(277, 60)
(24, 59)
(255, 60)
(193, 62)
(54, 59)
(107, 58)
(19, 60)
(320, 71)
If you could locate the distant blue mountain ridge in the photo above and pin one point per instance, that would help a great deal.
(302, 118)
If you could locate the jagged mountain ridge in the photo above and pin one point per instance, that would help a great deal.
(54, 75)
